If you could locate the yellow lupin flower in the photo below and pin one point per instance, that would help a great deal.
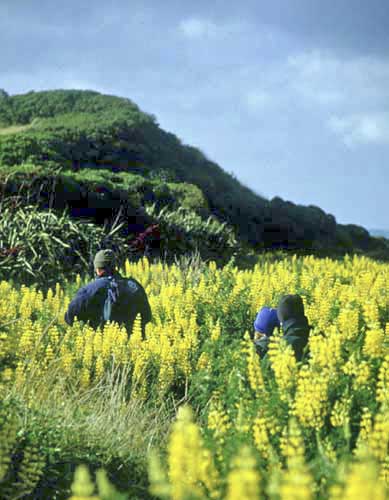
(139, 373)
(340, 413)
(371, 313)
(82, 486)
(203, 361)
(243, 481)
(254, 372)
(325, 349)
(297, 482)
(218, 421)
(283, 363)
(383, 382)
(309, 405)
(261, 437)
(20, 374)
(363, 477)
(379, 436)
(85, 377)
(373, 345)
(49, 354)
(159, 483)
(216, 331)
(185, 456)
(99, 367)
(67, 360)
(348, 322)
(209, 475)
(365, 429)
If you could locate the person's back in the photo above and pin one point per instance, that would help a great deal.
(125, 297)
(130, 301)
(294, 323)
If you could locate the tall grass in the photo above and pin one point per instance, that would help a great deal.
(103, 426)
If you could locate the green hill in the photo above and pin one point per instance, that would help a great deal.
(105, 147)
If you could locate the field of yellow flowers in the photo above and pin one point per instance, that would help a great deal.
(241, 428)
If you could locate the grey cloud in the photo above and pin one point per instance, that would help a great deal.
(369, 128)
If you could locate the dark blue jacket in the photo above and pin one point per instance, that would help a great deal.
(88, 304)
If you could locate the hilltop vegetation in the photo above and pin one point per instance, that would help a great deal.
(108, 147)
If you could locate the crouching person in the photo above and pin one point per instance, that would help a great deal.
(294, 324)
(110, 297)
(264, 325)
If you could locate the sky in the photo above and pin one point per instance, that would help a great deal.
(291, 96)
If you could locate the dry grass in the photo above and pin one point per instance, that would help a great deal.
(15, 129)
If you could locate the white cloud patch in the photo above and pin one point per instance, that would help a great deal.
(352, 93)
(349, 95)
(329, 80)
(361, 128)
(197, 28)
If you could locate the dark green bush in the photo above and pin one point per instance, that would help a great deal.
(184, 231)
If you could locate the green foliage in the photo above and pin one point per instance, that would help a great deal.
(44, 247)
(188, 196)
(23, 171)
(85, 129)
(184, 231)
(81, 130)
(93, 178)
(22, 109)
(21, 461)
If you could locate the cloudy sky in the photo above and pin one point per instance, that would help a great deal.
(292, 96)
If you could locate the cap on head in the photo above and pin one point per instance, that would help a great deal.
(105, 259)
(266, 321)
(290, 306)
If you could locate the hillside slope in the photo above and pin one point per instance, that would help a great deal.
(82, 131)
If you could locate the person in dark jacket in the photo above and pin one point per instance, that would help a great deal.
(294, 324)
(110, 296)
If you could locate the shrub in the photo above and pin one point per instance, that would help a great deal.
(44, 247)
(184, 231)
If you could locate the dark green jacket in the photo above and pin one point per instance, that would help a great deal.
(296, 333)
